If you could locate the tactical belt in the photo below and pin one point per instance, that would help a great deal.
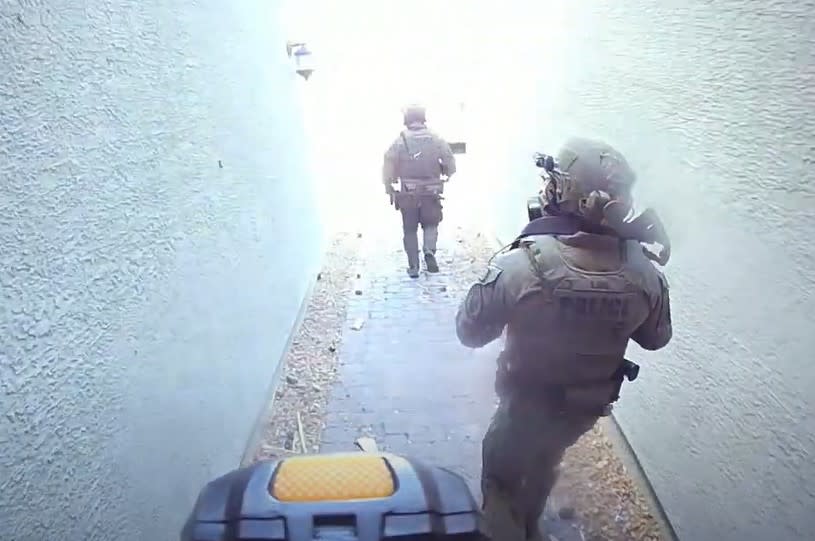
(554, 395)
(429, 186)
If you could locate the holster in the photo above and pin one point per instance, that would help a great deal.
(394, 198)
(393, 195)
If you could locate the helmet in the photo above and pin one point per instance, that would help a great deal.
(413, 114)
(591, 180)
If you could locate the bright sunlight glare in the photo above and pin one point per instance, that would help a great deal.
(473, 66)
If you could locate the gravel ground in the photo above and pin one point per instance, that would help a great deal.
(595, 492)
(595, 485)
(310, 366)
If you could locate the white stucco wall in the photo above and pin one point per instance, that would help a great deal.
(144, 297)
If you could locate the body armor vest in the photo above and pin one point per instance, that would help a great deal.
(574, 318)
(419, 159)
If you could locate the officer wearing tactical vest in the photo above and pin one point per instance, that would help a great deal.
(571, 292)
(422, 161)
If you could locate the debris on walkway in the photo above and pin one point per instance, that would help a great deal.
(595, 484)
(310, 366)
(399, 375)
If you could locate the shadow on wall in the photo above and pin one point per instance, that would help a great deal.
(147, 298)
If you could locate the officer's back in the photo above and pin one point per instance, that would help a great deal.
(570, 293)
(571, 302)
(578, 300)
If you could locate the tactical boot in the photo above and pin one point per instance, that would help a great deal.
(535, 534)
(498, 520)
(534, 531)
(430, 261)
(413, 272)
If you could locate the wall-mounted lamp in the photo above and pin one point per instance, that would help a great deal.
(303, 60)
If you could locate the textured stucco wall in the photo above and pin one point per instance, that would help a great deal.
(145, 293)
(713, 103)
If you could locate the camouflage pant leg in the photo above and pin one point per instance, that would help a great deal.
(520, 453)
(430, 238)
(430, 216)
(410, 227)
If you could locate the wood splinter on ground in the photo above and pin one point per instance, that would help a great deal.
(301, 434)
(367, 444)
(310, 364)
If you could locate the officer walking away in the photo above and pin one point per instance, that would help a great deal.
(422, 161)
(570, 293)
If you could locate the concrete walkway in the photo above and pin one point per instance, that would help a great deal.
(404, 379)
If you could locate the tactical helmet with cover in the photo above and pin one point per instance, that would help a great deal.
(414, 114)
(592, 180)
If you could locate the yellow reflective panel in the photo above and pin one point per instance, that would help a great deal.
(342, 476)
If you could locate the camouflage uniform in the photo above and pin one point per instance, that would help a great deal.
(569, 305)
(419, 158)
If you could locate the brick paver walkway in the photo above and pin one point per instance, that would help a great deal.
(404, 379)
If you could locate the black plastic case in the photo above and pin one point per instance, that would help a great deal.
(428, 503)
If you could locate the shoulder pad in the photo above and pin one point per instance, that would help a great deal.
(513, 261)
(490, 275)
